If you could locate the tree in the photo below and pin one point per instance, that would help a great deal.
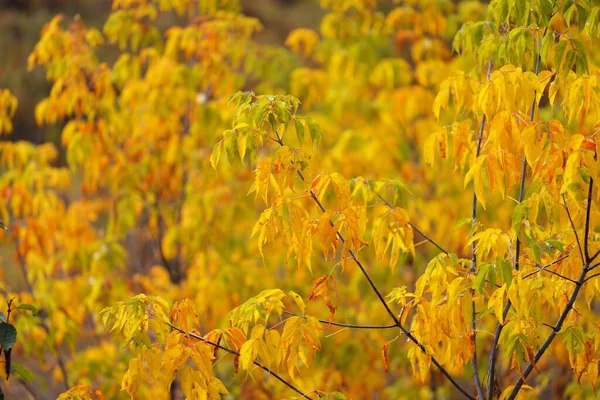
(422, 199)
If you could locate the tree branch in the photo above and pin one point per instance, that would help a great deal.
(583, 258)
(545, 266)
(569, 306)
(559, 275)
(397, 322)
(591, 277)
(342, 325)
(588, 212)
(235, 353)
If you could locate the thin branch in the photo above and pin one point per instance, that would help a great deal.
(596, 254)
(27, 386)
(569, 306)
(588, 212)
(235, 353)
(474, 363)
(591, 276)
(559, 275)
(419, 231)
(545, 266)
(405, 331)
(593, 266)
(349, 326)
(574, 229)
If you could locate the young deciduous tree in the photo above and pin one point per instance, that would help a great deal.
(401, 204)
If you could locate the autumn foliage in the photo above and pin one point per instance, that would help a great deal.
(398, 205)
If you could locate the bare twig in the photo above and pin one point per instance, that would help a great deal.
(591, 277)
(559, 275)
(545, 266)
(588, 211)
(235, 353)
(583, 258)
(569, 306)
(349, 326)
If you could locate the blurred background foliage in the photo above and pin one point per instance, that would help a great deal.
(22, 20)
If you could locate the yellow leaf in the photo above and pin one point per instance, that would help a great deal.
(302, 41)
(496, 302)
(131, 380)
(384, 355)
(476, 175)
(298, 300)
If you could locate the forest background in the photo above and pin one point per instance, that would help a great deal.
(269, 199)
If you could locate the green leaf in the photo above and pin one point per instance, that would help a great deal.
(8, 335)
(24, 372)
(315, 131)
(28, 307)
(299, 130)
(505, 268)
(574, 339)
(520, 213)
(337, 395)
(484, 270)
(2, 317)
(537, 252)
(557, 244)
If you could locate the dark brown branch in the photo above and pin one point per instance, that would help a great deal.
(591, 277)
(588, 212)
(545, 266)
(559, 275)
(583, 258)
(342, 325)
(235, 353)
(569, 306)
